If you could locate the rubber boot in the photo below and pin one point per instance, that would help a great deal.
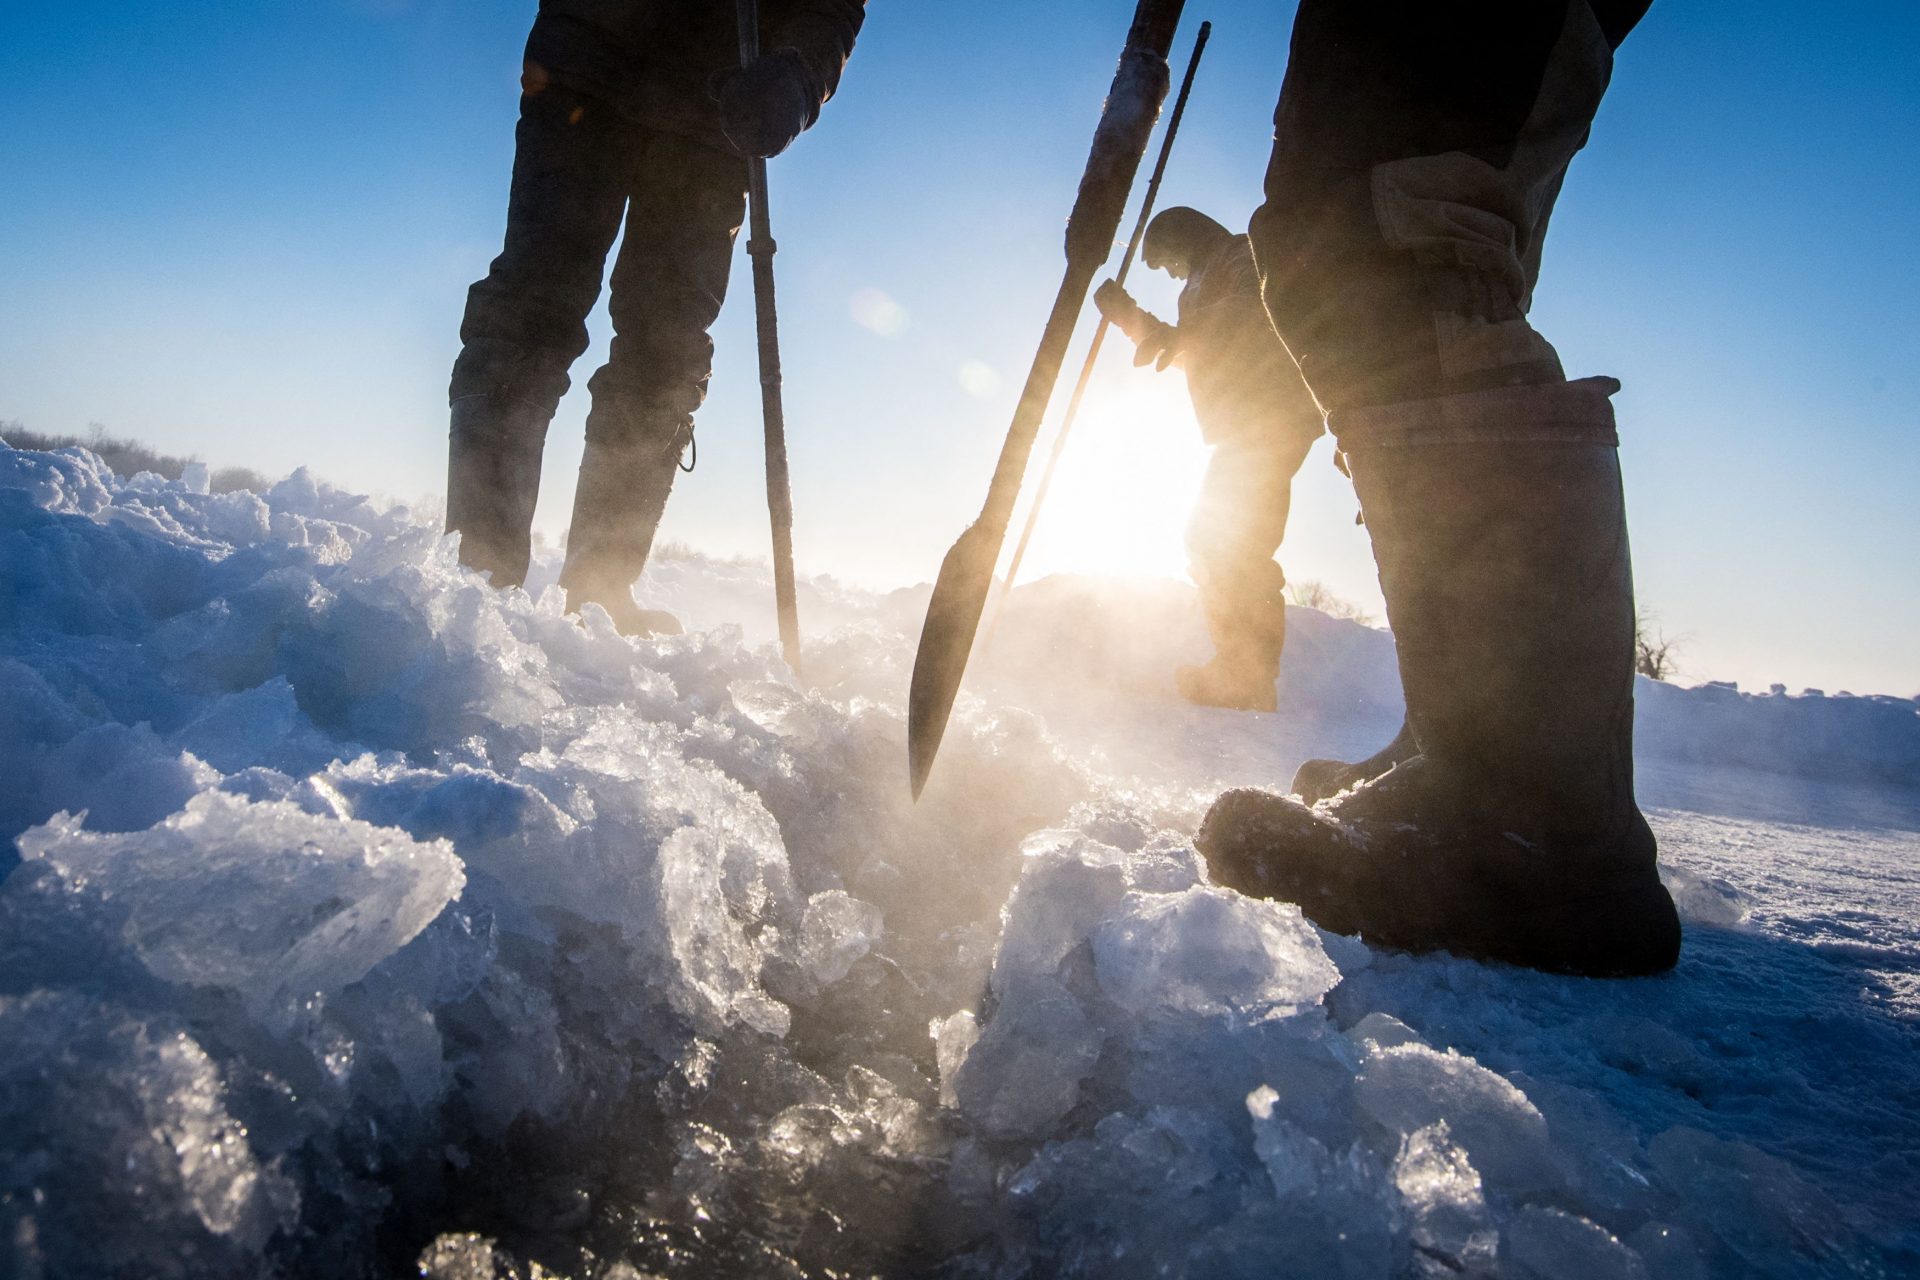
(493, 479)
(1318, 779)
(626, 474)
(1247, 621)
(1499, 531)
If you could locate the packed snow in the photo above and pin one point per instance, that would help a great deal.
(361, 920)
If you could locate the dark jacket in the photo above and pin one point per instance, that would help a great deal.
(1243, 382)
(654, 59)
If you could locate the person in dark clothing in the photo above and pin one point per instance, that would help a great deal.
(1418, 150)
(633, 111)
(1260, 420)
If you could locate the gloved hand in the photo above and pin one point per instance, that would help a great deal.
(1154, 340)
(1117, 305)
(766, 105)
(1160, 345)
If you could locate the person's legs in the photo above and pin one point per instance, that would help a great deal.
(1237, 526)
(1418, 150)
(526, 322)
(688, 202)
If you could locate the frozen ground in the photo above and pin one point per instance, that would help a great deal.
(367, 921)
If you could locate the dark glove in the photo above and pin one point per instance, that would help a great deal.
(1154, 339)
(766, 105)
(1159, 345)
(1117, 305)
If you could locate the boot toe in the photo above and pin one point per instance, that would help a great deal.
(1266, 846)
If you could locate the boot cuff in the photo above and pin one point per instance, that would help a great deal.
(1576, 412)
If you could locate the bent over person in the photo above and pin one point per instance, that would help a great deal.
(1418, 150)
(1260, 420)
(637, 112)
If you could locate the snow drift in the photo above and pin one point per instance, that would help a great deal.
(359, 914)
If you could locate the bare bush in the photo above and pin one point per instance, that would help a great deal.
(1314, 594)
(1653, 653)
(129, 457)
(229, 479)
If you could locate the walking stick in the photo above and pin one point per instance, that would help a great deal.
(1099, 335)
(966, 575)
(760, 248)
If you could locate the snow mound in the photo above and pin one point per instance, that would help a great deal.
(361, 920)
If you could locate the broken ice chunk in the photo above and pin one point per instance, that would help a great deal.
(465, 1255)
(1384, 1030)
(1546, 1244)
(262, 898)
(1294, 1160)
(1024, 1073)
(953, 1039)
(1208, 951)
(1444, 1199)
(1167, 864)
(1706, 899)
(1068, 885)
(838, 930)
(121, 1148)
(1412, 1087)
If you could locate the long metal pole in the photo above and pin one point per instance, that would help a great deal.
(760, 249)
(1099, 335)
(1140, 85)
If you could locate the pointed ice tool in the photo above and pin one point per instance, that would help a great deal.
(1039, 503)
(760, 247)
(966, 575)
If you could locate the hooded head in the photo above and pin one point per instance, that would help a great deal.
(1179, 240)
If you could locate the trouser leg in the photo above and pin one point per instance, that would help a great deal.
(687, 204)
(1236, 529)
(1418, 150)
(525, 323)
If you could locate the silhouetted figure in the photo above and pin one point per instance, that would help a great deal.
(1260, 419)
(1417, 153)
(634, 112)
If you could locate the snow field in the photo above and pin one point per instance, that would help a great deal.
(364, 914)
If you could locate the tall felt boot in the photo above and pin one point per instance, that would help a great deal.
(626, 473)
(1500, 534)
(493, 478)
(1247, 621)
(1319, 779)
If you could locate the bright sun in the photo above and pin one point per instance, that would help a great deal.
(1126, 483)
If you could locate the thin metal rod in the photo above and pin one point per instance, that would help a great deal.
(1099, 336)
(761, 248)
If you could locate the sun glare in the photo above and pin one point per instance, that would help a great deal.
(1126, 484)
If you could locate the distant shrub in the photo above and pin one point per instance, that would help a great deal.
(230, 479)
(1653, 653)
(1314, 594)
(130, 457)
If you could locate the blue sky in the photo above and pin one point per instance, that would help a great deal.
(245, 230)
